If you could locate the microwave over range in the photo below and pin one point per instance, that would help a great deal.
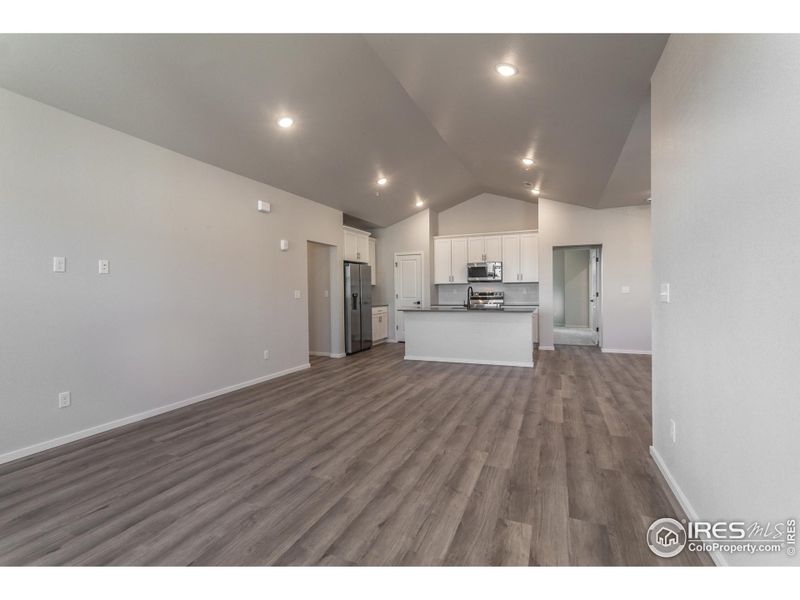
(485, 271)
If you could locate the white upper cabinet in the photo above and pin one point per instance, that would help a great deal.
(362, 248)
(442, 260)
(475, 249)
(356, 245)
(493, 248)
(521, 258)
(450, 260)
(484, 248)
(350, 245)
(518, 251)
(529, 257)
(511, 258)
(459, 261)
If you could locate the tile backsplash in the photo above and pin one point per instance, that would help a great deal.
(515, 293)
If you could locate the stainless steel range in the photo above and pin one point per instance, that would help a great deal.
(486, 300)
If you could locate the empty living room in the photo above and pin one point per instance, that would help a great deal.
(356, 299)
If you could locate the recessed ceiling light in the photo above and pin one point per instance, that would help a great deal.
(506, 69)
(382, 181)
(535, 191)
(527, 161)
(419, 203)
(285, 122)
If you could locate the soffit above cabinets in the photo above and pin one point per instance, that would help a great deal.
(428, 112)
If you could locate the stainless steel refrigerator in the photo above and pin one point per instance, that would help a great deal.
(357, 307)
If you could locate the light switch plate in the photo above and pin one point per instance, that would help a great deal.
(264, 207)
(663, 295)
(59, 264)
(626, 289)
(284, 245)
(64, 399)
(297, 294)
(102, 266)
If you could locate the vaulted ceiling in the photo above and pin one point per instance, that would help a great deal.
(428, 112)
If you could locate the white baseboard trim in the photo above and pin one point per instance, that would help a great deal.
(718, 558)
(84, 433)
(546, 347)
(391, 341)
(621, 351)
(500, 363)
(328, 354)
(380, 341)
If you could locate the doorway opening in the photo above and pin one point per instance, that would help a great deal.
(576, 295)
(321, 264)
(408, 287)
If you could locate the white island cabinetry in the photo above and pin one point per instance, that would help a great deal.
(488, 337)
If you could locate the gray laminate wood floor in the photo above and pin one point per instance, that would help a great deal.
(367, 460)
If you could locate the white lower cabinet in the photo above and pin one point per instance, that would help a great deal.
(380, 326)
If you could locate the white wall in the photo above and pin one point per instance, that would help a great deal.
(487, 213)
(198, 287)
(558, 287)
(409, 235)
(320, 259)
(624, 234)
(576, 287)
(726, 351)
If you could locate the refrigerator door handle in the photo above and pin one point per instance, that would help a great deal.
(355, 301)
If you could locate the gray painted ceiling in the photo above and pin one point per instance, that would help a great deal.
(426, 111)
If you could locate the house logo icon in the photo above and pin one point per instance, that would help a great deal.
(666, 537)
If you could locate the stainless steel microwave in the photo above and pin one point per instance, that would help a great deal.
(485, 271)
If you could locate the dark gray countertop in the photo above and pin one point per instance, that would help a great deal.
(461, 309)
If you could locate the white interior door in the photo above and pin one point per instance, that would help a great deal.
(407, 287)
(594, 293)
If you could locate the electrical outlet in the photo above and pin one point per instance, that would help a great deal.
(266, 354)
(673, 430)
(64, 400)
(102, 266)
(59, 264)
(626, 289)
(297, 295)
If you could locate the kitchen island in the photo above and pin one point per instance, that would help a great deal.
(455, 334)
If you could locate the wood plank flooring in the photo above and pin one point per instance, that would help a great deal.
(366, 460)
